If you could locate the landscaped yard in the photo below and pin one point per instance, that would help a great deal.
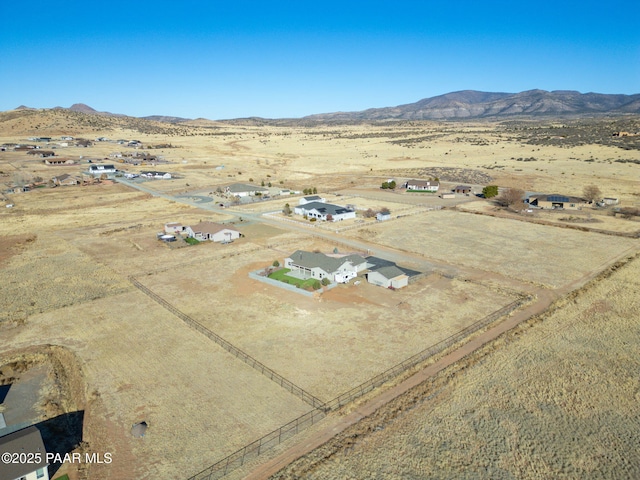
(282, 276)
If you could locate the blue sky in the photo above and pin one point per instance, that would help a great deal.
(275, 59)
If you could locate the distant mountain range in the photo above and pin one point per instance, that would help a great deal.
(466, 104)
(471, 104)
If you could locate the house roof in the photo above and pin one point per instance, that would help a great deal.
(463, 187)
(320, 260)
(27, 440)
(390, 272)
(243, 187)
(557, 198)
(312, 198)
(210, 228)
(325, 208)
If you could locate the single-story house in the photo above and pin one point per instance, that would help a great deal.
(158, 175)
(311, 198)
(388, 277)
(65, 179)
(174, 227)
(42, 153)
(245, 190)
(556, 201)
(214, 232)
(465, 189)
(324, 211)
(422, 185)
(318, 265)
(58, 161)
(96, 169)
(25, 442)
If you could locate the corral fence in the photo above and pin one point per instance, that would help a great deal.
(251, 451)
(246, 358)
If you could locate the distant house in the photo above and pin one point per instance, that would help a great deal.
(156, 175)
(388, 277)
(318, 265)
(42, 153)
(311, 198)
(65, 179)
(58, 161)
(324, 211)
(214, 232)
(610, 201)
(245, 190)
(464, 189)
(25, 443)
(66, 138)
(556, 201)
(96, 169)
(422, 185)
(381, 217)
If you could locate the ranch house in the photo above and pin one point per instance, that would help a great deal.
(213, 232)
(556, 201)
(422, 185)
(324, 211)
(318, 265)
(244, 190)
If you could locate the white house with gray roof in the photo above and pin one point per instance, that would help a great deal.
(322, 211)
(318, 265)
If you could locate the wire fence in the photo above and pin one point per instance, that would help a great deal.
(246, 358)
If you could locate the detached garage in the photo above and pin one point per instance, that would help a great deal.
(388, 277)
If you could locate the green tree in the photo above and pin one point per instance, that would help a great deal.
(287, 209)
(490, 191)
(276, 263)
(315, 190)
(326, 281)
(316, 285)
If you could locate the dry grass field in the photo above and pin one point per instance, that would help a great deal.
(557, 398)
(66, 255)
(539, 254)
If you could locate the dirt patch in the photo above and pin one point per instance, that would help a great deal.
(13, 245)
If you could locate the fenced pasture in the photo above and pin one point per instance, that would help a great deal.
(348, 335)
(539, 254)
(144, 363)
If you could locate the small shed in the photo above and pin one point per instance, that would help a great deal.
(381, 217)
(464, 189)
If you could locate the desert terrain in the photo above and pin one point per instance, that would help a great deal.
(125, 328)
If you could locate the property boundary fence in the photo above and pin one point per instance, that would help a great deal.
(419, 357)
(251, 451)
(246, 358)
